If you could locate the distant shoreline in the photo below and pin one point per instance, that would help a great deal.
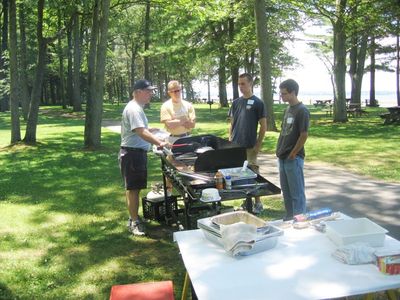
(385, 98)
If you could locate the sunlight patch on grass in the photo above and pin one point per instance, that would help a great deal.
(17, 255)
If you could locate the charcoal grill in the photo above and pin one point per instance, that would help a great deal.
(190, 171)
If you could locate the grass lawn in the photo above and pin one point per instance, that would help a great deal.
(63, 217)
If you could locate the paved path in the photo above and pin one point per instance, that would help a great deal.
(354, 195)
(328, 186)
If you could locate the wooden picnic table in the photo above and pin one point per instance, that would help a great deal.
(355, 110)
(322, 103)
(392, 116)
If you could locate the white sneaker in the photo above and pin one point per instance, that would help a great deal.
(258, 208)
(137, 228)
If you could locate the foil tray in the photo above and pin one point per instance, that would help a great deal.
(264, 241)
(238, 216)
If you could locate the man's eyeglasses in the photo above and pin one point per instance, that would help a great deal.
(175, 91)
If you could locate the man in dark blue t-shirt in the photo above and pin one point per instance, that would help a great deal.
(248, 125)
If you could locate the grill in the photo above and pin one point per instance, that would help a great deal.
(191, 165)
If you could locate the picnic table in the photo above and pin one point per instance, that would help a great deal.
(392, 116)
(355, 110)
(326, 106)
(322, 103)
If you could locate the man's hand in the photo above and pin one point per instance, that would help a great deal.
(164, 144)
(292, 155)
(257, 147)
(153, 129)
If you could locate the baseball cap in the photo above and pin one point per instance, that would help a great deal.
(143, 84)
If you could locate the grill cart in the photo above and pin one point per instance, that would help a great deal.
(191, 165)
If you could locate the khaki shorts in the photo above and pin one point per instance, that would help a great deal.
(251, 155)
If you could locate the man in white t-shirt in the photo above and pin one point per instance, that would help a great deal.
(177, 114)
(178, 117)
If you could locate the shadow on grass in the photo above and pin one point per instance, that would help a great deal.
(5, 292)
(58, 176)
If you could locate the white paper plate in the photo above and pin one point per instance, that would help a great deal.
(212, 200)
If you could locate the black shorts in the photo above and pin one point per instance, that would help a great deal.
(133, 165)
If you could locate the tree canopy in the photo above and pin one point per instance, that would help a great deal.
(80, 53)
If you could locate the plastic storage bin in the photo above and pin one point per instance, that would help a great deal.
(349, 231)
(154, 209)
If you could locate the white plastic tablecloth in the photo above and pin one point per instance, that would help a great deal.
(299, 267)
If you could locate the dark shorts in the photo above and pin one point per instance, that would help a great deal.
(133, 165)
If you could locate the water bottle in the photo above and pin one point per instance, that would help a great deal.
(228, 182)
(314, 214)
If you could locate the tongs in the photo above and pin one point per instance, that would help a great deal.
(167, 151)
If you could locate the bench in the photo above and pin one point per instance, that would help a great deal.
(321, 103)
(355, 110)
(391, 117)
(328, 109)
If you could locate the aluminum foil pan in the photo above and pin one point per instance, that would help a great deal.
(264, 240)
(238, 216)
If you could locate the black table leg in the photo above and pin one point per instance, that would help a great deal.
(188, 220)
(249, 204)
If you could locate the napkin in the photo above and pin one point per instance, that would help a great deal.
(355, 254)
(238, 237)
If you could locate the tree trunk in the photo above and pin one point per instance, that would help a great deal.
(23, 69)
(264, 46)
(372, 100)
(235, 80)
(76, 91)
(4, 97)
(339, 64)
(223, 99)
(233, 60)
(147, 40)
(94, 108)
(60, 93)
(208, 88)
(134, 51)
(358, 53)
(70, 76)
(52, 82)
(30, 134)
(398, 63)
(15, 125)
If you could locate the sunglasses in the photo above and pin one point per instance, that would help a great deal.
(175, 91)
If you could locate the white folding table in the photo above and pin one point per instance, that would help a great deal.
(299, 267)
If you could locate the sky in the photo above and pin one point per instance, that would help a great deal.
(312, 75)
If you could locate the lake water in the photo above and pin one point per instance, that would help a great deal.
(385, 98)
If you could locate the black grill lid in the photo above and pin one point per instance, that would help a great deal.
(225, 154)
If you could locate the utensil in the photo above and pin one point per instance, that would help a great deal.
(167, 151)
(245, 164)
(196, 176)
(195, 145)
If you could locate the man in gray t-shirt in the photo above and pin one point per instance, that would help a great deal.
(136, 139)
(290, 149)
